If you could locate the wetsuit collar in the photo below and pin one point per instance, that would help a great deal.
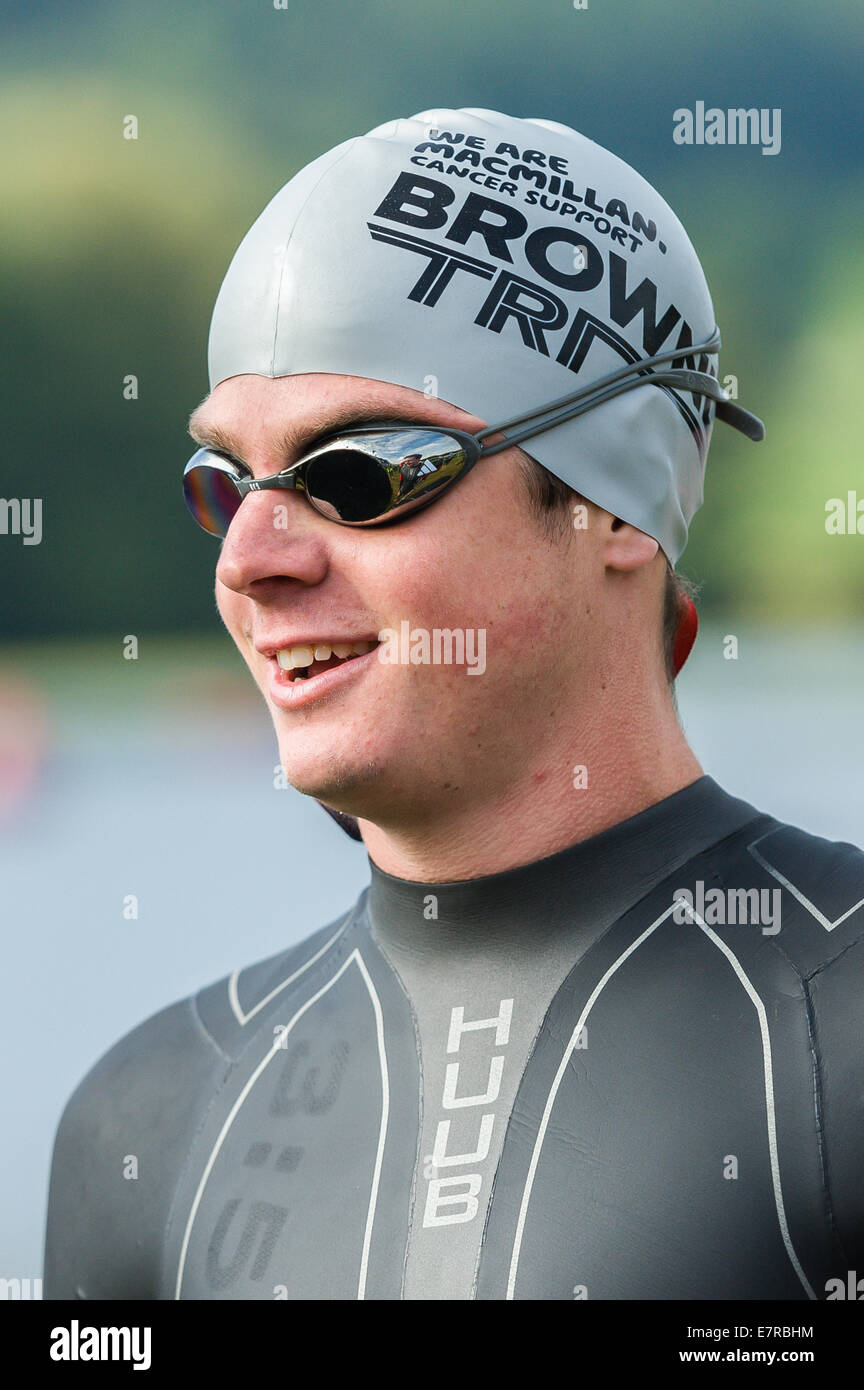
(601, 877)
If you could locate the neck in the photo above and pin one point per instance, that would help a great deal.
(542, 806)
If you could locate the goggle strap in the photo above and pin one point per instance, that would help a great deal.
(711, 344)
(740, 419)
(625, 378)
(698, 382)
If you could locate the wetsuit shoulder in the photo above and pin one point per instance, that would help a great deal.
(811, 949)
(127, 1129)
(817, 888)
(127, 1125)
(236, 1008)
(822, 883)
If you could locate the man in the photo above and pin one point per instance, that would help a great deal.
(594, 1030)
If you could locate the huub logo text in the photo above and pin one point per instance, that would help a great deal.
(725, 907)
(736, 126)
(442, 646)
(453, 1199)
(76, 1343)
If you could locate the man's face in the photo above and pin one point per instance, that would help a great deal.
(384, 740)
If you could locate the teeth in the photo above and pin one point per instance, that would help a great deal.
(290, 658)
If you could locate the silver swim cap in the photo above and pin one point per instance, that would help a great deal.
(499, 264)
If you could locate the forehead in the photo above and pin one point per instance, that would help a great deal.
(309, 403)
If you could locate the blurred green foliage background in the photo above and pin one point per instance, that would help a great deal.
(112, 252)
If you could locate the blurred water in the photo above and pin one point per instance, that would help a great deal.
(781, 726)
(165, 790)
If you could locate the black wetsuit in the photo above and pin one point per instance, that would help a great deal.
(535, 1085)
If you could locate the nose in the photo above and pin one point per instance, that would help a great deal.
(273, 537)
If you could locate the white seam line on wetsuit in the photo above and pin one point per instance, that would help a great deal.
(550, 1101)
(769, 1096)
(242, 1018)
(278, 1046)
(385, 1111)
(796, 892)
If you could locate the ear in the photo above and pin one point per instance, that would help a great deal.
(627, 548)
(688, 626)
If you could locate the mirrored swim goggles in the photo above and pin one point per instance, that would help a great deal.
(374, 474)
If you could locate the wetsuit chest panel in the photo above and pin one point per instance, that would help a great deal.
(640, 1159)
(300, 1180)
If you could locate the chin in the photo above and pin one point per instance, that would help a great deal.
(331, 778)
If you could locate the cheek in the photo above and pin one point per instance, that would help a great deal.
(231, 607)
(475, 588)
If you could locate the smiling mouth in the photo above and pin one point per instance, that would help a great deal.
(301, 662)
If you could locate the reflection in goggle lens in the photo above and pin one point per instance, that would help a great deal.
(212, 498)
(348, 485)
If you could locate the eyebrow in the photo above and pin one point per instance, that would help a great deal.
(359, 413)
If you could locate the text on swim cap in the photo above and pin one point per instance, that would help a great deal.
(525, 305)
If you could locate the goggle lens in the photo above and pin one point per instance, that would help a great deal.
(210, 495)
(349, 485)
